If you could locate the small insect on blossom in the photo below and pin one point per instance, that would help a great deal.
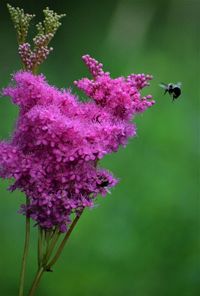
(173, 89)
(104, 183)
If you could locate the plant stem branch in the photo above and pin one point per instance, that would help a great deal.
(51, 246)
(63, 243)
(25, 253)
(36, 281)
(40, 245)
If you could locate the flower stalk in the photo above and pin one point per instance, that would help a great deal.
(36, 281)
(40, 245)
(43, 264)
(63, 243)
(51, 246)
(25, 254)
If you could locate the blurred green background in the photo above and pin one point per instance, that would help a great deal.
(143, 239)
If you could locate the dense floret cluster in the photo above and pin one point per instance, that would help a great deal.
(58, 141)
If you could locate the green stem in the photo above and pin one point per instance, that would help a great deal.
(63, 243)
(25, 253)
(40, 244)
(50, 248)
(36, 281)
(48, 237)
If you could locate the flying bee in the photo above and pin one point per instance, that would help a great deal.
(173, 89)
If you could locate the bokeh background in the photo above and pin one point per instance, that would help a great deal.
(143, 239)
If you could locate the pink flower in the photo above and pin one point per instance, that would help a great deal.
(119, 96)
(58, 141)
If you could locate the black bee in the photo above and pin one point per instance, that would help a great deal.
(104, 183)
(173, 89)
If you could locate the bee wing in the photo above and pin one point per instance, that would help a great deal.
(163, 85)
(179, 84)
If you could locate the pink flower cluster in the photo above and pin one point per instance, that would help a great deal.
(58, 141)
(120, 97)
